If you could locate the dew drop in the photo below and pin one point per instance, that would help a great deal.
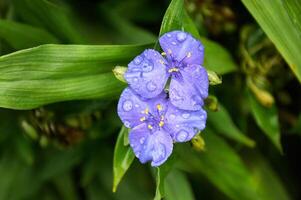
(138, 60)
(127, 105)
(201, 48)
(127, 124)
(147, 67)
(182, 136)
(137, 154)
(159, 153)
(172, 116)
(151, 86)
(181, 36)
(142, 140)
(168, 35)
(137, 105)
(177, 126)
(174, 43)
(174, 94)
(185, 115)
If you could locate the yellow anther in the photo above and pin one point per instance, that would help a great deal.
(161, 123)
(142, 119)
(163, 54)
(150, 127)
(145, 111)
(162, 62)
(189, 54)
(173, 70)
(159, 107)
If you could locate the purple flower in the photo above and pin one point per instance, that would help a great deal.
(148, 73)
(155, 124)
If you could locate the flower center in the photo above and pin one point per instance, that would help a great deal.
(153, 120)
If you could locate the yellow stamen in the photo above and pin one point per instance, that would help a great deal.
(161, 123)
(142, 119)
(173, 70)
(145, 111)
(150, 127)
(163, 54)
(159, 107)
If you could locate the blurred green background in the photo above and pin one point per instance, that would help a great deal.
(59, 130)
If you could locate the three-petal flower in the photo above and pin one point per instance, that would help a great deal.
(148, 73)
(155, 124)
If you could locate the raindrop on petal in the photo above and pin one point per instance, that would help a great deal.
(142, 140)
(182, 135)
(147, 67)
(138, 60)
(127, 105)
(181, 36)
(137, 154)
(174, 43)
(185, 115)
(127, 123)
(168, 35)
(172, 116)
(159, 153)
(151, 86)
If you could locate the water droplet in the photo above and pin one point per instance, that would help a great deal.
(201, 48)
(174, 94)
(151, 86)
(137, 105)
(147, 67)
(168, 35)
(159, 153)
(181, 36)
(127, 124)
(135, 79)
(174, 43)
(172, 116)
(182, 136)
(138, 60)
(177, 126)
(142, 140)
(185, 115)
(127, 105)
(137, 154)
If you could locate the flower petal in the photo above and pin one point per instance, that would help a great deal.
(147, 74)
(189, 90)
(150, 146)
(131, 107)
(184, 125)
(179, 44)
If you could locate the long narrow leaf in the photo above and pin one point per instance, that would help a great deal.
(279, 20)
(53, 73)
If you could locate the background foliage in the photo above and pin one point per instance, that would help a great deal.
(60, 137)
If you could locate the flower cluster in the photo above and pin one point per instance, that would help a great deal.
(160, 112)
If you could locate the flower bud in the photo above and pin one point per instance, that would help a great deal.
(214, 79)
(119, 73)
(198, 143)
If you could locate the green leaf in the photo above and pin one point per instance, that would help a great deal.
(22, 36)
(177, 186)
(173, 18)
(57, 19)
(222, 166)
(162, 173)
(280, 20)
(51, 73)
(267, 182)
(221, 121)
(266, 119)
(123, 158)
(216, 57)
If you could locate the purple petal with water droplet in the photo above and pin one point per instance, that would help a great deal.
(183, 125)
(180, 44)
(189, 89)
(147, 74)
(150, 146)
